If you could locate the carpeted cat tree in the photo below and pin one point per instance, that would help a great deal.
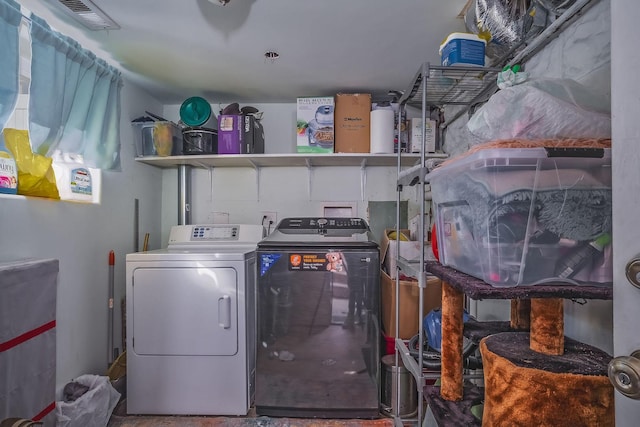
(539, 378)
(536, 377)
(531, 378)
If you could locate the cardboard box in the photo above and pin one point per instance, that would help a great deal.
(409, 289)
(315, 125)
(416, 136)
(414, 228)
(409, 306)
(353, 123)
(240, 134)
(230, 134)
(409, 250)
(252, 136)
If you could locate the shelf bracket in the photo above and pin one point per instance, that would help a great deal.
(200, 165)
(363, 179)
(258, 170)
(210, 169)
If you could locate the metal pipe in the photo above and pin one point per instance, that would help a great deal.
(110, 349)
(184, 195)
(552, 31)
(136, 225)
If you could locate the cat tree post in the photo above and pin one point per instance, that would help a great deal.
(547, 326)
(451, 367)
(520, 314)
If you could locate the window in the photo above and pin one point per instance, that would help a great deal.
(69, 101)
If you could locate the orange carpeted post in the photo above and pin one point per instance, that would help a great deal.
(451, 367)
(547, 325)
(520, 314)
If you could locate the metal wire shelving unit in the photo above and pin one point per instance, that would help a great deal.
(432, 86)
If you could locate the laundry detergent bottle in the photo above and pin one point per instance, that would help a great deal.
(8, 171)
(73, 179)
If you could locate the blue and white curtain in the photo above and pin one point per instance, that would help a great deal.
(10, 17)
(74, 100)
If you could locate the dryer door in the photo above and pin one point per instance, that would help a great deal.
(185, 311)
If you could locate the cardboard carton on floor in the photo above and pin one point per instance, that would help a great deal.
(409, 250)
(409, 291)
(352, 122)
(409, 306)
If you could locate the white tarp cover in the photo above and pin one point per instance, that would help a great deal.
(93, 408)
(28, 338)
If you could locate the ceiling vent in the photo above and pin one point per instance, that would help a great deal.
(88, 14)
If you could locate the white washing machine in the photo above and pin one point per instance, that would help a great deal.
(191, 322)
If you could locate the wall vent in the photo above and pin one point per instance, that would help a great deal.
(88, 14)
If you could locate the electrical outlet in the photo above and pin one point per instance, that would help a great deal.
(218, 218)
(269, 219)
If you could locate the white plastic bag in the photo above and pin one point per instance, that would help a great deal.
(93, 408)
(542, 109)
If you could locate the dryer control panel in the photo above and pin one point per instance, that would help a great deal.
(209, 232)
(199, 234)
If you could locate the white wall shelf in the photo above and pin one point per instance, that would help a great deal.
(309, 161)
(284, 160)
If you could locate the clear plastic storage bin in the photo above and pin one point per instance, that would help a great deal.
(157, 139)
(523, 216)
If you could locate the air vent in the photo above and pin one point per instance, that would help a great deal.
(88, 14)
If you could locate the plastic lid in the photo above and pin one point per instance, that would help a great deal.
(195, 111)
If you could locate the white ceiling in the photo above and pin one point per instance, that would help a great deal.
(181, 48)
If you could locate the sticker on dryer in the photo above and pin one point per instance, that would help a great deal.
(267, 261)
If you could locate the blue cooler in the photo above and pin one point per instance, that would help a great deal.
(463, 49)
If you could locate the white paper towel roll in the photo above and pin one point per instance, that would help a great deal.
(382, 133)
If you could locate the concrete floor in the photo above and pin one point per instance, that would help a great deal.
(120, 419)
(243, 422)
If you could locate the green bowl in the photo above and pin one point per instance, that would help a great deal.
(195, 111)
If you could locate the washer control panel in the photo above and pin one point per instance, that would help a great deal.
(320, 225)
